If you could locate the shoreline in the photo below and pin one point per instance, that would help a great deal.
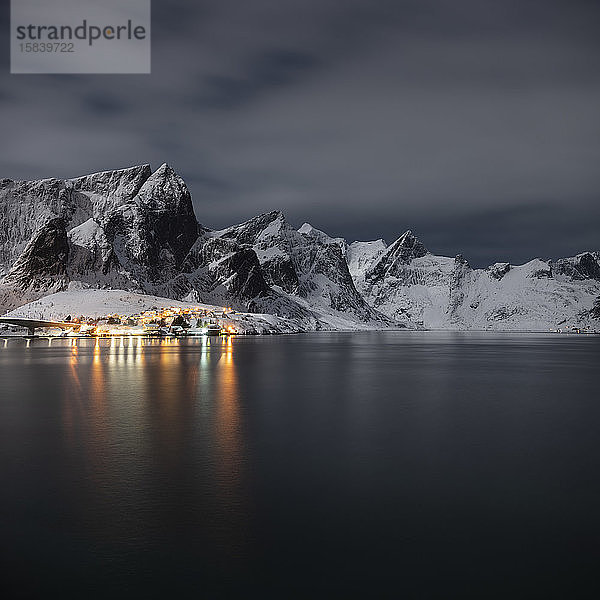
(269, 334)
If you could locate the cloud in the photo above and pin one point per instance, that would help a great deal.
(270, 70)
(103, 103)
(364, 118)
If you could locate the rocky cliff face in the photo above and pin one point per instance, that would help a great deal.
(134, 229)
(140, 228)
(41, 269)
(406, 282)
(130, 228)
(392, 262)
(224, 272)
(304, 265)
(44, 259)
(581, 267)
(25, 206)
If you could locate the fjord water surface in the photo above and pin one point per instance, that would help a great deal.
(391, 464)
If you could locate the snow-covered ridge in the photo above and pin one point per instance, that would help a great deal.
(361, 255)
(446, 293)
(135, 230)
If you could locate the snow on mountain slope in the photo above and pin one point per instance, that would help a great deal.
(527, 297)
(416, 291)
(407, 281)
(361, 255)
(312, 232)
(129, 228)
(134, 229)
(307, 266)
(25, 206)
(404, 281)
(106, 190)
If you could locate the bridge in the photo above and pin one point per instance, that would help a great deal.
(33, 324)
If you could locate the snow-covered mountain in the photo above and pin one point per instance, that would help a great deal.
(130, 228)
(305, 266)
(406, 281)
(135, 230)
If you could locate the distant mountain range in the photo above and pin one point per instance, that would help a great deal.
(135, 230)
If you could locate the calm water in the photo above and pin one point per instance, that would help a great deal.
(374, 465)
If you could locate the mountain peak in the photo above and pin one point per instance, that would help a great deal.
(133, 170)
(166, 170)
(585, 265)
(406, 247)
(265, 219)
(165, 188)
(308, 230)
(461, 260)
(112, 188)
(264, 226)
(395, 258)
(274, 215)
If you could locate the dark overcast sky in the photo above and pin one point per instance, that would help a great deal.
(475, 123)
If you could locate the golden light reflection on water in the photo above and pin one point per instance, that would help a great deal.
(228, 419)
(228, 435)
(75, 381)
(165, 410)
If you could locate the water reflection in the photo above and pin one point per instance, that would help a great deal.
(156, 427)
(228, 434)
(318, 459)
